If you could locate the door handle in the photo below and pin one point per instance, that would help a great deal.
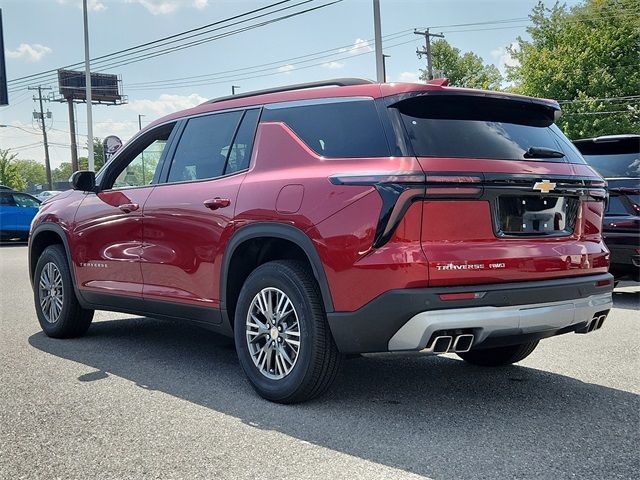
(216, 203)
(129, 207)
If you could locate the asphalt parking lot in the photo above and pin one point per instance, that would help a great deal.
(141, 398)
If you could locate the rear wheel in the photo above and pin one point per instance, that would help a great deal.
(59, 313)
(497, 356)
(281, 334)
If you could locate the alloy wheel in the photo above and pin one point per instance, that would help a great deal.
(273, 333)
(51, 292)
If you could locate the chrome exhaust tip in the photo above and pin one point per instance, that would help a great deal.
(463, 343)
(440, 344)
(600, 321)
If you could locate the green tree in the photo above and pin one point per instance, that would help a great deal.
(98, 156)
(63, 172)
(9, 175)
(462, 69)
(587, 57)
(31, 171)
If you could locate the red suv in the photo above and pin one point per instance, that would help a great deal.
(335, 218)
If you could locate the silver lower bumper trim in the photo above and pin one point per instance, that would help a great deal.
(486, 321)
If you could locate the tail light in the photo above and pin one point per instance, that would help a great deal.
(399, 189)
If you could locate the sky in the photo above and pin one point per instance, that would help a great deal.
(42, 35)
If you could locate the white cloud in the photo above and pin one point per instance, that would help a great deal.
(123, 130)
(408, 77)
(92, 5)
(31, 52)
(359, 46)
(164, 104)
(286, 68)
(333, 65)
(503, 58)
(165, 7)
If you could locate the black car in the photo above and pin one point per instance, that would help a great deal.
(617, 159)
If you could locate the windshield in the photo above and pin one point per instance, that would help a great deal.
(615, 166)
(480, 127)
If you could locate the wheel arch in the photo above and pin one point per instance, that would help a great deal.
(44, 235)
(270, 231)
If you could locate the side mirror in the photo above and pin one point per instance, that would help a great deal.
(84, 180)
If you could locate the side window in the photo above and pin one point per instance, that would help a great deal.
(7, 200)
(143, 160)
(203, 147)
(337, 129)
(240, 153)
(25, 201)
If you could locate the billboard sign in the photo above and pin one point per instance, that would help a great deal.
(104, 87)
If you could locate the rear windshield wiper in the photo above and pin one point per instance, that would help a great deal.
(541, 152)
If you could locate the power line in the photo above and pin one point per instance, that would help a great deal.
(250, 76)
(106, 61)
(610, 112)
(32, 76)
(336, 51)
(188, 81)
(607, 99)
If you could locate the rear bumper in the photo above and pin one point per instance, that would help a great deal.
(500, 314)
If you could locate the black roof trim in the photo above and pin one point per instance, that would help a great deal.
(336, 82)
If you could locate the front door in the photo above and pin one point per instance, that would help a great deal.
(107, 234)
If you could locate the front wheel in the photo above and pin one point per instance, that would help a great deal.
(281, 334)
(498, 356)
(59, 313)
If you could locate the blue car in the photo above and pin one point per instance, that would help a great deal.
(16, 212)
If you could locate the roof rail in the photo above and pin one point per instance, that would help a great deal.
(336, 82)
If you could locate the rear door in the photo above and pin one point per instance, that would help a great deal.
(188, 217)
(502, 200)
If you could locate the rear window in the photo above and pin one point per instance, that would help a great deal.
(612, 166)
(337, 129)
(481, 127)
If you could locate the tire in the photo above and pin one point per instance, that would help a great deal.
(317, 361)
(67, 319)
(499, 356)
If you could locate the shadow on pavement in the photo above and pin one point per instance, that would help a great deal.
(433, 416)
(627, 297)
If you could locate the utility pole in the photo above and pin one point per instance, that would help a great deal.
(233, 89)
(41, 117)
(427, 50)
(142, 153)
(378, 41)
(87, 78)
(74, 146)
(384, 67)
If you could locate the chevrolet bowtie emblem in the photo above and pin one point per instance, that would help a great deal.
(545, 186)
